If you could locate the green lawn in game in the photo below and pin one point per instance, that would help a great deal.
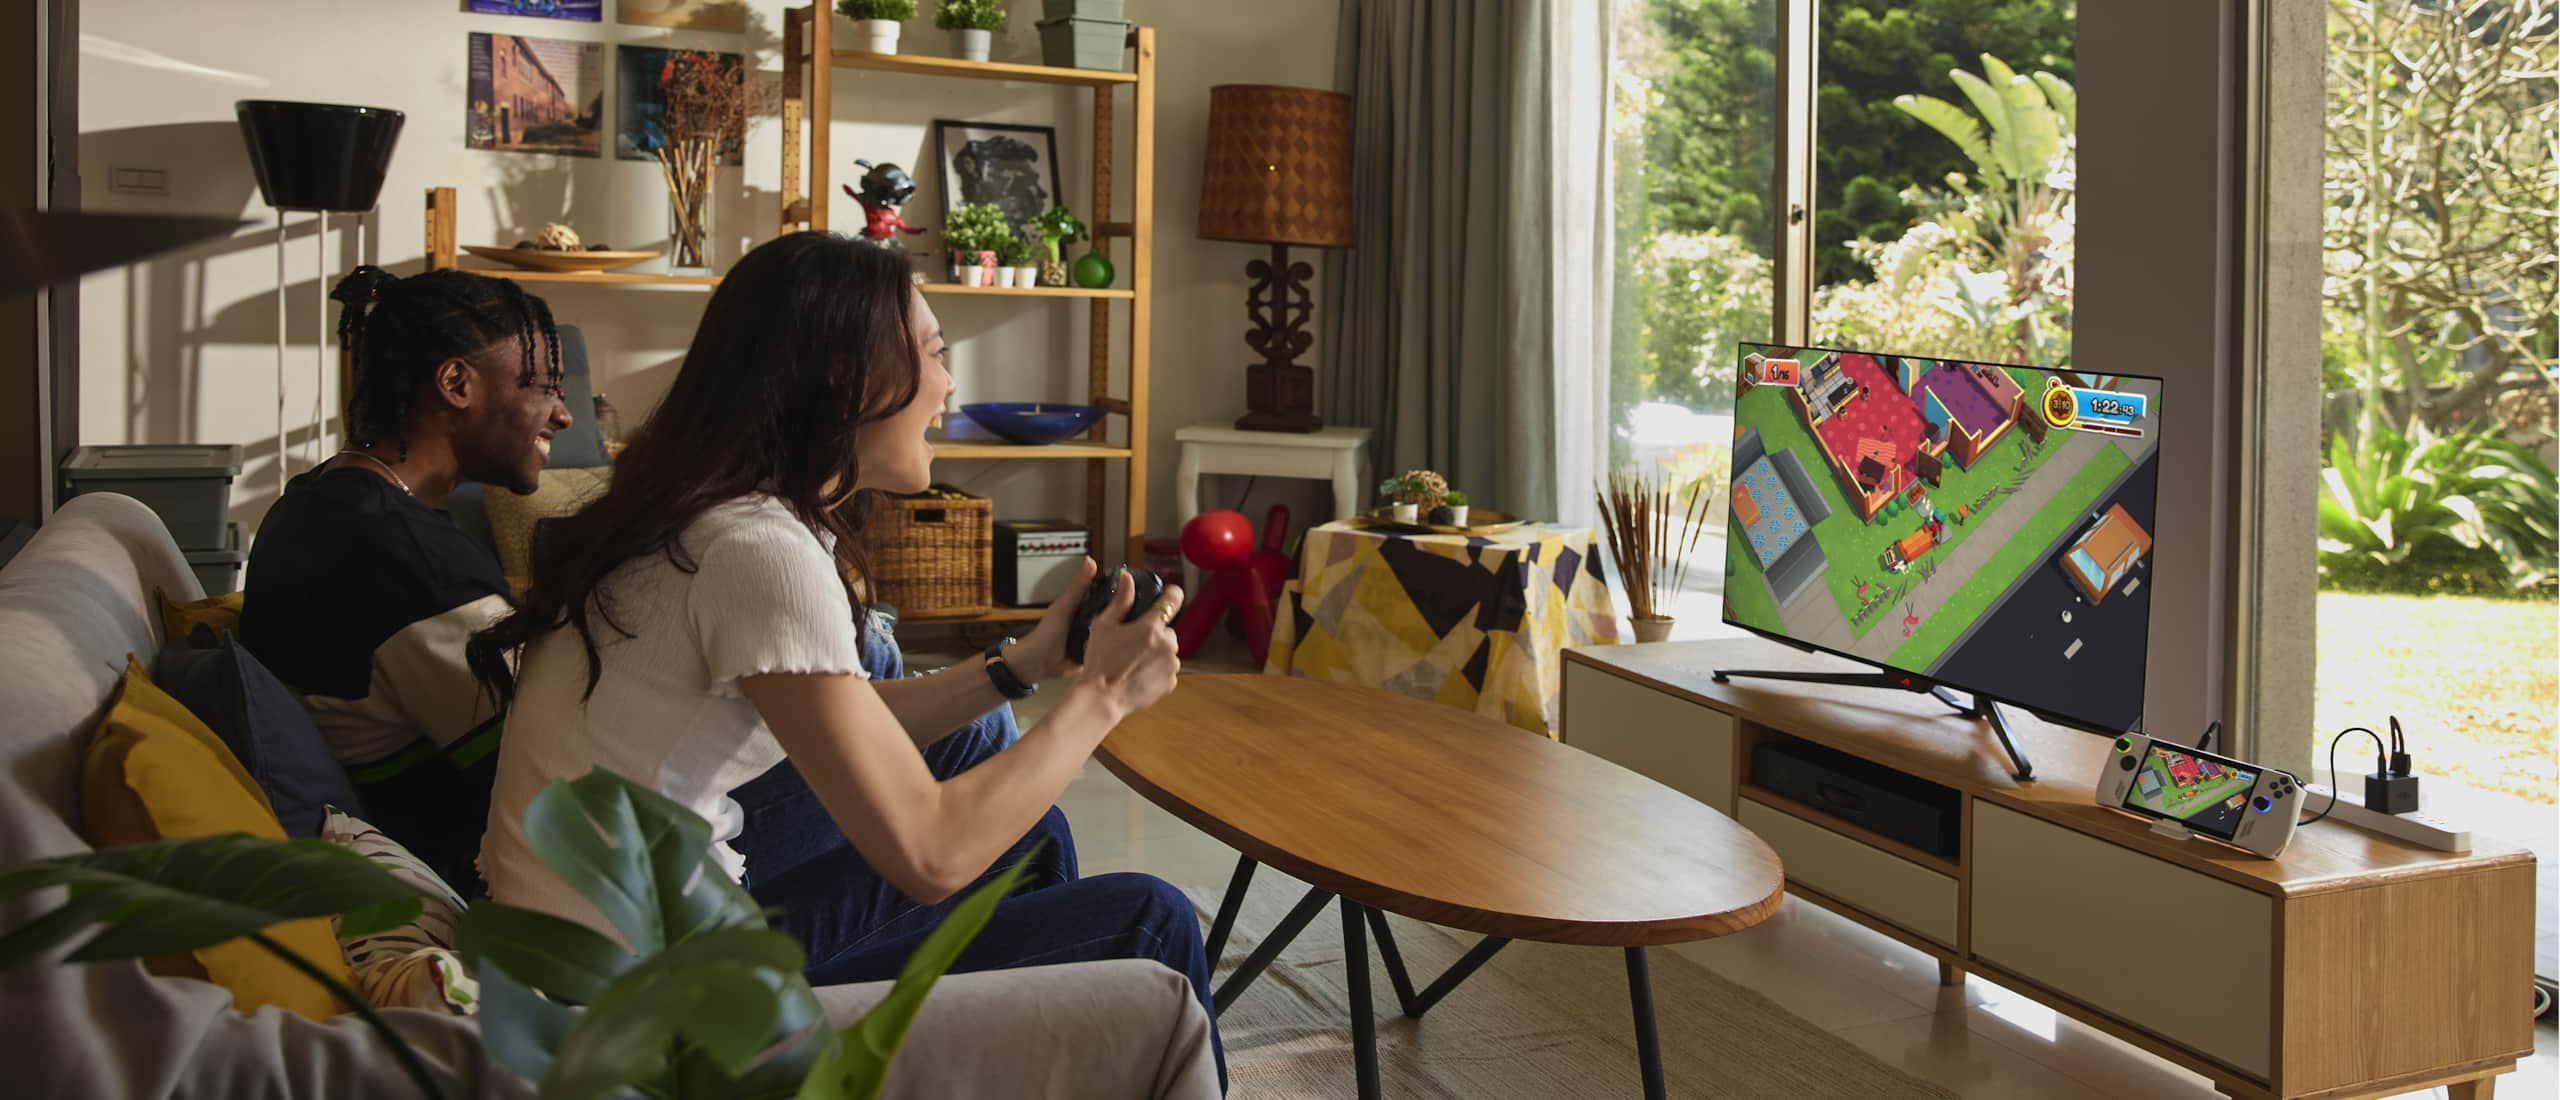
(1746, 592)
(2184, 803)
(1855, 548)
(1972, 599)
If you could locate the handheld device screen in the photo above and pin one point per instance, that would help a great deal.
(2202, 792)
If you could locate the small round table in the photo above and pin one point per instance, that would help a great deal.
(1395, 805)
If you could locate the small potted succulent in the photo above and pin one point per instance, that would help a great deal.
(1055, 228)
(1452, 510)
(1014, 264)
(976, 232)
(972, 24)
(1414, 493)
(876, 22)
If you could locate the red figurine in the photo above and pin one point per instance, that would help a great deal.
(1235, 577)
(885, 188)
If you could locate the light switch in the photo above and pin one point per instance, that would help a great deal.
(137, 181)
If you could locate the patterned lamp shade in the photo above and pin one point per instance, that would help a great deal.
(1278, 169)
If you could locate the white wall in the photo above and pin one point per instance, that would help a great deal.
(180, 349)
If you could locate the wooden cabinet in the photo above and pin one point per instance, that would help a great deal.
(2354, 966)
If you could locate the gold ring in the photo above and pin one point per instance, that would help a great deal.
(1167, 612)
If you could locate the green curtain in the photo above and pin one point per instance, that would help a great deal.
(1439, 325)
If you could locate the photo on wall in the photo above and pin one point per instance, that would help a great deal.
(717, 16)
(582, 11)
(535, 95)
(1014, 167)
(640, 102)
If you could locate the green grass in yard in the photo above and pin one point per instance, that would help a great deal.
(2024, 551)
(2475, 681)
(1746, 593)
(1853, 547)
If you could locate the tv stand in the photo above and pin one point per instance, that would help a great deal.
(1982, 706)
(2050, 894)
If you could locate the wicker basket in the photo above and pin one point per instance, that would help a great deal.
(931, 557)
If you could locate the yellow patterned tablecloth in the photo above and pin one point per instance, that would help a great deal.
(1477, 622)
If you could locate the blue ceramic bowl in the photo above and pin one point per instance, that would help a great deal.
(1032, 422)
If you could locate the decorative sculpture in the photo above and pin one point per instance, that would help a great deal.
(885, 188)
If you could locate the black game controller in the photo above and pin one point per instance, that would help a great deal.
(1148, 588)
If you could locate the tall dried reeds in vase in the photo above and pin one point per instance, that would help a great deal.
(703, 115)
(1652, 531)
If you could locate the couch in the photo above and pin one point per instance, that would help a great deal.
(78, 598)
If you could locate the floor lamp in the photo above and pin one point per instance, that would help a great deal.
(324, 158)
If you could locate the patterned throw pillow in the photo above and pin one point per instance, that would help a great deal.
(512, 518)
(414, 965)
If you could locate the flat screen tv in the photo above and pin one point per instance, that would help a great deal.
(1982, 526)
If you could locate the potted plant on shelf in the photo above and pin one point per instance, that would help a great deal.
(876, 22)
(1652, 534)
(1055, 228)
(1015, 264)
(972, 24)
(976, 231)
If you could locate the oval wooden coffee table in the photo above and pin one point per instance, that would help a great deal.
(1396, 805)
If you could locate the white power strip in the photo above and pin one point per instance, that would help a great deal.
(2416, 828)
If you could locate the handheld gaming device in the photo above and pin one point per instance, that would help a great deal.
(2193, 792)
(1097, 596)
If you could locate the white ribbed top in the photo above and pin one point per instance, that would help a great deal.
(763, 598)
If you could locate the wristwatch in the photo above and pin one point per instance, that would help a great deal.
(1001, 675)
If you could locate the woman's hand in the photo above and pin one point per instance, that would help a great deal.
(1042, 654)
(1131, 665)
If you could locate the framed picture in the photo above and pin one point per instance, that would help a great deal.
(640, 102)
(535, 95)
(583, 11)
(719, 16)
(1014, 167)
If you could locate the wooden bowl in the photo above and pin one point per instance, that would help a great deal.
(537, 259)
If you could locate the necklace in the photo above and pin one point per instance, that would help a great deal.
(396, 479)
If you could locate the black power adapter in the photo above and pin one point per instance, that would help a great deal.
(2394, 791)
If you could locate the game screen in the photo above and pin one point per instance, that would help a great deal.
(2202, 793)
(1986, 526)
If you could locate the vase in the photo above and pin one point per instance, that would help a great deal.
(1053, 273)
(1656, 629)
(689, 231)
(971, 45)
(1094, 270)
(1026, 276)
(876, 35)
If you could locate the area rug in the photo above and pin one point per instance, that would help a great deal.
(1540, 1021)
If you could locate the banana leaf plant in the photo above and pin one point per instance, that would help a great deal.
(697, 999)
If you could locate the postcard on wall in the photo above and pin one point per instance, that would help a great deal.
(720, 16)
(536, 95)
(583, 11)
(644, 118)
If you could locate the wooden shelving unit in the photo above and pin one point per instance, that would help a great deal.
(808, 104)
(808, 91)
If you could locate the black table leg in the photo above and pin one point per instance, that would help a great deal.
(1415, 1004)
(1270, 948)
(1228, 907)
(1648, 1045)
(1364, 1021)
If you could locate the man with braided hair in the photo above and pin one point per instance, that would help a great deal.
(361, 592)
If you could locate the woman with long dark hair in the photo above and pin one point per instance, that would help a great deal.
(695, 626)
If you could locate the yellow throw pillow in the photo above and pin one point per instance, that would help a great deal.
(512, 516)
(177, 620)
(154, 772)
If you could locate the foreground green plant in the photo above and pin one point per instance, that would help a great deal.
(2384, 504)
(699, 999)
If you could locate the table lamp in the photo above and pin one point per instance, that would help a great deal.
(320, 157)
(1278, 172)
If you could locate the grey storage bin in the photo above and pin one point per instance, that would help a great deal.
(1114, 10)
(1081, 43)
(187, 484)
(218, 571)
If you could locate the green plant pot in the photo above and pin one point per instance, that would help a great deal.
(1081, 43)
(1114, 10)
(1094, 271)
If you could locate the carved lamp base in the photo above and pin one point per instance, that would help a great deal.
(1279, 395)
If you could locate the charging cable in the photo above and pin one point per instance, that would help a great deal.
(2381, 751)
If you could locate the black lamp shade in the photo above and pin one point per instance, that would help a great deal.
(319, 156)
